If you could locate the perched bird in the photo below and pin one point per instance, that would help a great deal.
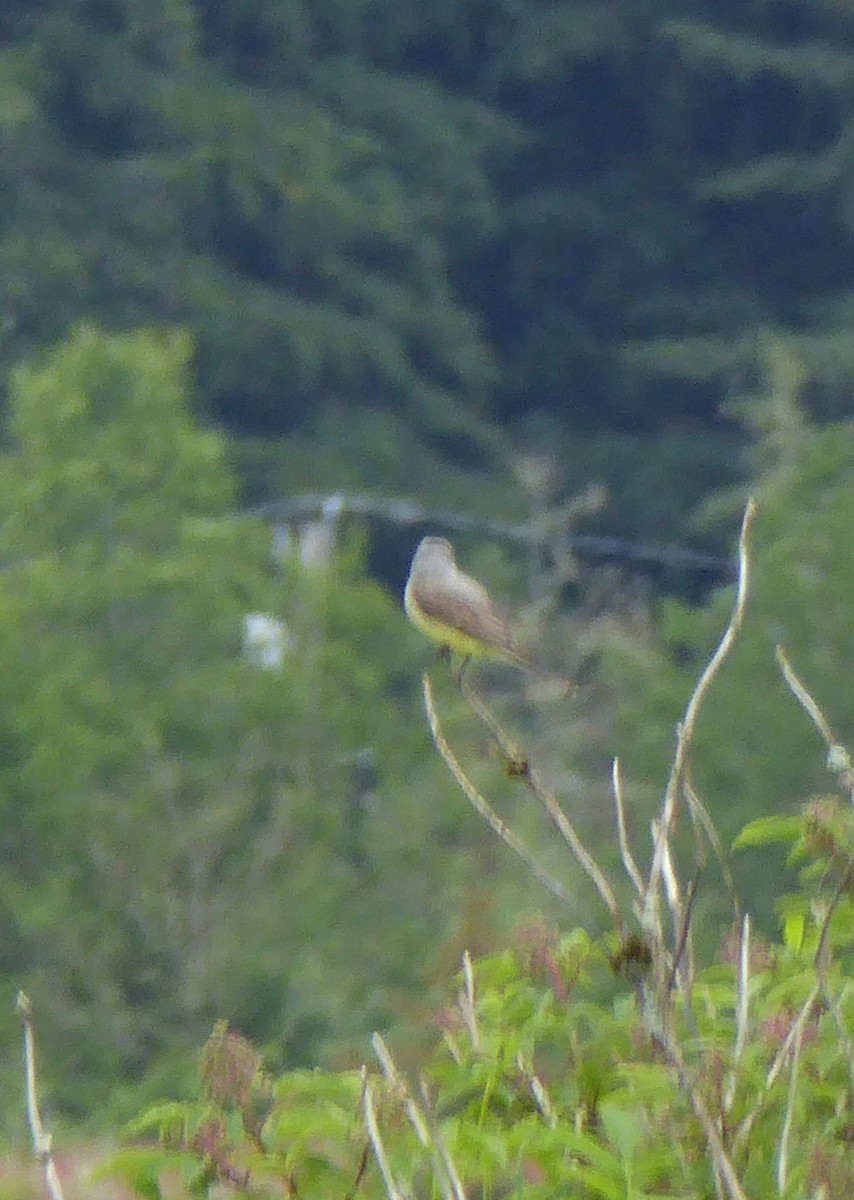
(454, 610)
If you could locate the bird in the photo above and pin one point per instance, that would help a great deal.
(455, 611)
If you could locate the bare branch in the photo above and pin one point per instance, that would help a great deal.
(684, 947)
(625, 850)
(519, 765)
(720, 1159)
(783, 1150)
(700, 815)
(741, 1012)
(838, 758)
(441, 1150)
(747, 1122)
(467, 1006)
(548, 532)
(41, 1141)
(392, 1190)
(804, 698)
(685, 731)
(484, 808)
(822, 963)
(538, 1090)
(429, 1137)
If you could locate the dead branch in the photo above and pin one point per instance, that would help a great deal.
(41, 1141)
(484, 808)
(520, 766)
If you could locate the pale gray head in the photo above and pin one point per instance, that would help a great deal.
(433, 550)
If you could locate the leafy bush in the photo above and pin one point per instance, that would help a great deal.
(548, 1082)
(614, 1067)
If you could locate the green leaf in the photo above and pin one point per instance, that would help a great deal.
(794, 927)
(625, 1129)
(767, 831)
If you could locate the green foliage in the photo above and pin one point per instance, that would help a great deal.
(456, 213)
(547, 1081)
(300, 213)
(187, 834)
(754, 753)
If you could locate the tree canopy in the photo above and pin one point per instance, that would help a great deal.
(585, 209)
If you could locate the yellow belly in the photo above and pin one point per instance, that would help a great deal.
(446, 635)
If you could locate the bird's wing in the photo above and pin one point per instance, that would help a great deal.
(471, 607)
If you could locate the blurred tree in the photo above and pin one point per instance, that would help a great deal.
(802, 597)
(176, 833)
(224, 168)
(460, 212)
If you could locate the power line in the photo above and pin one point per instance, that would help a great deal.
(401, 511)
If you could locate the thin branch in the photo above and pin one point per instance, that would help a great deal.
(672, 890)
(485, 809)
(838, 758)
(625, 850)
(467, 1004)
(519, 765)
(538, 1090)
(804, 698)
(822, 961)
(585, 859)
(746, 1124)
(41, 1141)
(685, 731)
(440, 1148)
(741, 1012)
(392, 1190)
(429, 1137)
(700, 814)
(783, 1151)
(720, 1159)
(416, 1120)
(405, 512)
(684, 947)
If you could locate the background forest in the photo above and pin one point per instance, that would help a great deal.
(539, 269)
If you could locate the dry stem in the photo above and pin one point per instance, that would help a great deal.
(522, 767)
(838, 758)
(658, 873)
(391, 1187)
(41, 1141)
(629, 863)
(482, 806)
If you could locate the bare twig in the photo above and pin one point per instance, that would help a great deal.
(548, 534)
(685, 731)
(822, 962)
(684, 948)
(41, 1141)
(838, 758)
(839, 761)
(440, 1149)
(538, 1090)
(392, 1074)
(521, 767)
(585, 859)
(485, 809)
(393, 1191)
(746, 1124)
(741, 1012)
(720, 1159)
(783, 1150)
(700, 815)
(429, 1137)
(804, 698)
(672, 890)
(625, 850)
(467, 1005)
